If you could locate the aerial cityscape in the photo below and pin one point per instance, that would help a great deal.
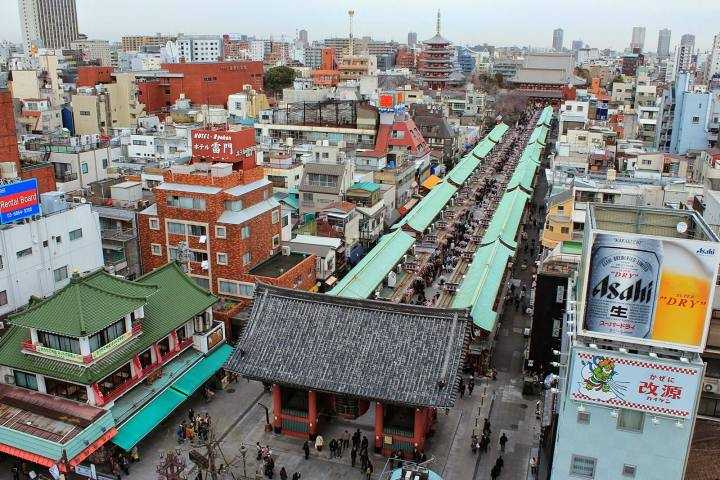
(319, 241)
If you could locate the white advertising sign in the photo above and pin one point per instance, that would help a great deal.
(620, 381)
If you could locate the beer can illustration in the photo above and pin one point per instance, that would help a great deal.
(622, 285)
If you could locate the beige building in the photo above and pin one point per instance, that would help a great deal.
(352, 67)
(91, 112)
(133, 43)
(43, 82)
(94, 50)
(124, 106)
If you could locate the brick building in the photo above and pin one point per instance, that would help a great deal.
(231, 224)
(213, 82)
(91, 75)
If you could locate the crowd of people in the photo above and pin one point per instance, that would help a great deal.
(195, 429)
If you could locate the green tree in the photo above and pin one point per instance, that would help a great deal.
(277, 78)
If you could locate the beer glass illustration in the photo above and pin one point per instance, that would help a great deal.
(683, 295)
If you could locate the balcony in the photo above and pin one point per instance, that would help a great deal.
(206, 341)
(124, 235)
(66, 177)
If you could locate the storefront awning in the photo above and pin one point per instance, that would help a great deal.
(147, 418)
(431, 181)
(194, 378)
(159, 408)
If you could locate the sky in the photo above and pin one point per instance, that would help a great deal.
(601, 24)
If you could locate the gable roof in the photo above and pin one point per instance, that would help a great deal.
(383, 351)
(176, 300)
(85, 306)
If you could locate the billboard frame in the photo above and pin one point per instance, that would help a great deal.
(584, 273)
(35, 209)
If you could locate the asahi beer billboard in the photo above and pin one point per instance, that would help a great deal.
(624, 381)
(650, 290)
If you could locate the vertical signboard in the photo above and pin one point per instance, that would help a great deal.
(649, 290)
(19, 200)
(622, 381)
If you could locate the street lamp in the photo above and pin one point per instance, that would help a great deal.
(243, 453)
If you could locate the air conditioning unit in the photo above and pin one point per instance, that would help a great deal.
(711, 386)
(285, 250)
(205, 264)
(10, 379)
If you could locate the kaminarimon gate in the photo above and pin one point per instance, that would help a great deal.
(329, 357)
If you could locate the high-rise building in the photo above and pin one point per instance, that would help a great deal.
(713, 62)
(685, 52)
(412, 38)
(200, 48)
(134, 43)
(638, 39)
(303, 37)
(663, 47)
(577, 45)
(557, 39)
(48, 23)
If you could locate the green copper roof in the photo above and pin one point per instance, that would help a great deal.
(85, 306)
(149, 417)
(176, 300)
(531, 153)
(428, 208)
(545, 116)
(460, 173)
(482, 283)
(364, 278)
(506, 219)
(497, 132)
(367, 186)
(523, 176)
(538, 135)
(482, 149)
(194, 378)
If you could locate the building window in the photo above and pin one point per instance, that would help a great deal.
(145, 359)
(75, 234)
(222, 258)
(107, 335)
(108, 384)
(308, 197)
(85, 113)
(695, 120)
(322, 180)
(202, 282)
(245, 232)
(156, 249)
(104, 163)
(583, 417)
(197, 230)
(564, 229)
(220, 232)
(176, 228)
(59, 342)
(629, 470)
(275, 216)
(1, 262)
(26, 252)
(234, 205)
(25, 380)
(630, 420)
(60, 274)
(188, 203)
(560, 208)
(285, 221)
(154, 224)
(247, 258)
(582, 466)
(84, 167)
(237, 289)
(275, 241)
(66, 390)
(3, 298)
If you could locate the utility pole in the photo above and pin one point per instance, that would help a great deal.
(171, 466)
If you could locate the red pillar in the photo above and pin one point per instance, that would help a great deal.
(312, 413)
(419, 430)
(379, 411)
(277, 406)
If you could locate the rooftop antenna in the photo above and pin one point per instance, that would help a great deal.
(351, 14)
(437, 27)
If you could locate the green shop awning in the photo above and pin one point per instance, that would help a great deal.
(194, 378)
(147, 418)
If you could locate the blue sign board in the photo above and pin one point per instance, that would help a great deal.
(19, 200)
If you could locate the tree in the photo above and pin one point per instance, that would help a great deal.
(278, 78)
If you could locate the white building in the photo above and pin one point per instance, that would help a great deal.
(713, 62)
(200, 48)
(48, 24)
(685, 52)
(38, 257)
(77, 166)
(94, 50)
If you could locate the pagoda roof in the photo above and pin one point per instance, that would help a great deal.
(437, 40)
(401, 354)
(85, 306)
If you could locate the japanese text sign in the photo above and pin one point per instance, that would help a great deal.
(18, 200)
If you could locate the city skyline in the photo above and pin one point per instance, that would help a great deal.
(378, 19)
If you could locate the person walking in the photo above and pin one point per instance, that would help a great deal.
(346, 439)
(319, 443)
(471, 385)
(353, 456)
(283, 474)
(368, 471)
(306, 449)
(503, 441)
(461, 387)
(364, 444)
(356, 438)
(494, 472)
(332, 446)
(296, 476)
(500, 463)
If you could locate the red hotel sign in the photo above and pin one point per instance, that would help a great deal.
(223, 145)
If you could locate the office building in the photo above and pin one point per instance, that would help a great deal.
(412, 39)
(48, 23)
(663, 47)
(577, 45)
(200, 48)
(713, 62)
(638, 39)
(303, 37)
(557, 43)
(685, 52)
(689, 111)
(94, 51)
(134, 43)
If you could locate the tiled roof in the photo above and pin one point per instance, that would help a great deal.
(403, 354)
(177, 299)
(85, 306)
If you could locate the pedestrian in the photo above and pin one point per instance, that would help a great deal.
(364, 444)
(125, 464)
(283, 474)
(296, 476)
(461, 387)
(503, 441)
(306, 449)
(368, 471)
(134, 454)
(356, 438)
(346, 439)
(494, 472)
(180, 433)
(353, 455)
(486, 426)
(191, 415)
(534, 466)
(471, 385)
(500, 463)
(339, 447)
(16, 472)
(332, 446)
(319, 443)
(364, 460)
